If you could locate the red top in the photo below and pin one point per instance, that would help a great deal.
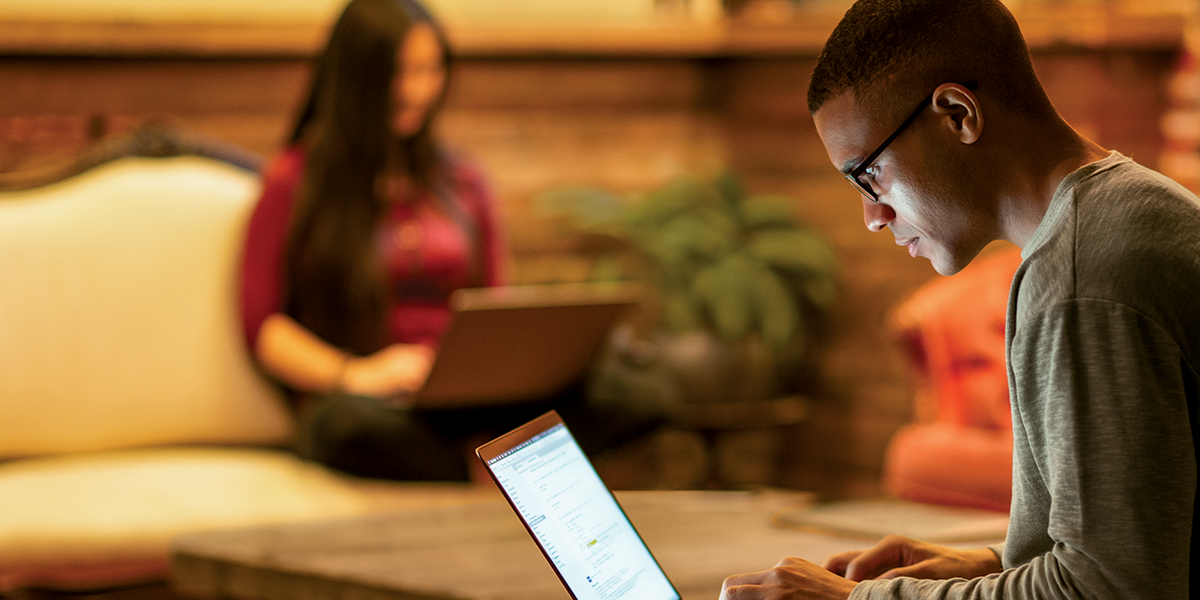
(427, 253)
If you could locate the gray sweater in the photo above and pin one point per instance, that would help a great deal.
(1104, 375)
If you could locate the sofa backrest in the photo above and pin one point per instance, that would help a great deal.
(118, 312)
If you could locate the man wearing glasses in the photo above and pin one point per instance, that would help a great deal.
(1103, 340)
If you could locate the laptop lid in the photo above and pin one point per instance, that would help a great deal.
(512, 344)
(572, 515)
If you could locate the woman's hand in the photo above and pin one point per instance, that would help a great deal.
(397, 370)
(297, 357)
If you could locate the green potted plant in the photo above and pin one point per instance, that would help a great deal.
(736, 280)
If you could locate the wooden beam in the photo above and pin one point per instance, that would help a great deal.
(1044, 28)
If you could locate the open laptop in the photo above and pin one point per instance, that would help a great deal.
(512, 344)
(572, 515)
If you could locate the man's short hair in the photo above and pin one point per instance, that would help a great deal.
(891, 53)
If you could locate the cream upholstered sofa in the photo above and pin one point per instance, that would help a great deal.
(130, 411)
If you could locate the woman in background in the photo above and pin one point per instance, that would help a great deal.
(365, 226)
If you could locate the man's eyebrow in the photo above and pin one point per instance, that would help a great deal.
(851, 164)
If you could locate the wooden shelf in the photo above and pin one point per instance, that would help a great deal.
(804, 37)
(76, 38)
(1048, 30)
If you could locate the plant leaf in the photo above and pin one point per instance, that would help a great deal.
(588, 208)
(725, 293)
(677, 197)
(822, 291)
(680, 313)
(768, 211)
(798, 251)
(776, 307)
(730, 187)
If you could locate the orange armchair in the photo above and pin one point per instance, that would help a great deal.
(958, 450)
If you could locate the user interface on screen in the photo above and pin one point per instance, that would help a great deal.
(572, 515)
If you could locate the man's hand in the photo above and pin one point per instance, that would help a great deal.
(897, 556)
(791, 579)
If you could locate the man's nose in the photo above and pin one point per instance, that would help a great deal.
(877, 215)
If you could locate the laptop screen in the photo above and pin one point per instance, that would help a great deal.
(572, 515)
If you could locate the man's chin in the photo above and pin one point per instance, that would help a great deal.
(950, 264)
(946, 270)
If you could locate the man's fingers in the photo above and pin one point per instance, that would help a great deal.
(921, 570)
(837, 563)
(926, 569)
(751, 585)
(737, 592)
(746, 578)
(872, 562)
(739, 586)
(789, 561)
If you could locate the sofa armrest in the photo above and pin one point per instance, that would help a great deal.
(118, 311)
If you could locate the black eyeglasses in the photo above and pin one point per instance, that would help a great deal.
(853, 176)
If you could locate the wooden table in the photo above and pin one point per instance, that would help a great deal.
(481, 551)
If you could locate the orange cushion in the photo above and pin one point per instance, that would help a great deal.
(947, 464)
(952, 330)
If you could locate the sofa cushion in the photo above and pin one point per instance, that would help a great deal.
(105, 518)
(102, 519)
(118, 312)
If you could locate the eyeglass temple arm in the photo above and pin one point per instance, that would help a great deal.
(862, 166)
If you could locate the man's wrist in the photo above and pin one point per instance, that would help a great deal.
(989, 561)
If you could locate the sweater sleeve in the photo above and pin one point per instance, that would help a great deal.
(266, 236)
(1104, 464)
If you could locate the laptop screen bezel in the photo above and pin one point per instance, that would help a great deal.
(518, 438)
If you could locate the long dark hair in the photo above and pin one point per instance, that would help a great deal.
(334, 281)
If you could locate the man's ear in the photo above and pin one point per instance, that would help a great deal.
(960, 110)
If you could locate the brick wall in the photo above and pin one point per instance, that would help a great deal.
(627, 123)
